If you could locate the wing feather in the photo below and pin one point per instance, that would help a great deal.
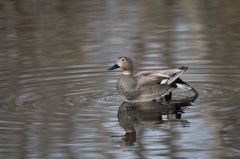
(157, 77)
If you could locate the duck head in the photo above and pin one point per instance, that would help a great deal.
(125, 63)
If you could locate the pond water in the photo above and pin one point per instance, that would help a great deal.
(57, 99)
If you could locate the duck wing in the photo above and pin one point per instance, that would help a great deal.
(150, 77)
(159, 77)
(174, 73)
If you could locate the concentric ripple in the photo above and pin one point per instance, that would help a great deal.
(58, 101)
(82, 84)
(81, 101)
(215, 92)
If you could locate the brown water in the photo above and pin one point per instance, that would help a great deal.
(58, 101)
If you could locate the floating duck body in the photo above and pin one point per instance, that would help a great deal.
(147, 85)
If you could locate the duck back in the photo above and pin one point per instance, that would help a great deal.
(127, 88)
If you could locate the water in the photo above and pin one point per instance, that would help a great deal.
(58, 101)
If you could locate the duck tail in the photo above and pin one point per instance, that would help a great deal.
(184, 68)
(196, 94)
(177, 74)
(179, 83)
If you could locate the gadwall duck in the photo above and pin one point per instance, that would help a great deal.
(148, 85)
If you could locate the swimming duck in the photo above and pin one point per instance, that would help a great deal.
(148, 85)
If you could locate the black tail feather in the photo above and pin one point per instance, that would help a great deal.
(184, 68)
(178, 80)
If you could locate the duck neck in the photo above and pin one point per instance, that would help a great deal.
(127, 72)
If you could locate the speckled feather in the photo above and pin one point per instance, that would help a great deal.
(145, 85)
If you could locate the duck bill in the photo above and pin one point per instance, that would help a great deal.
(114, 67)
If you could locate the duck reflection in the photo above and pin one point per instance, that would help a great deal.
(148, 114)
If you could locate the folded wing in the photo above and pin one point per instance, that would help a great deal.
(159, 77)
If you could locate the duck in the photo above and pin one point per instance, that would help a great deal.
(148, 85)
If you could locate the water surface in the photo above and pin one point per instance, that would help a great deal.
(58, 101)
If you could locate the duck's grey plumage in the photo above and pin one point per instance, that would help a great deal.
(145, 85)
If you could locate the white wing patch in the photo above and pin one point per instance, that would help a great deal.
(164, 81)
(183, 86)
